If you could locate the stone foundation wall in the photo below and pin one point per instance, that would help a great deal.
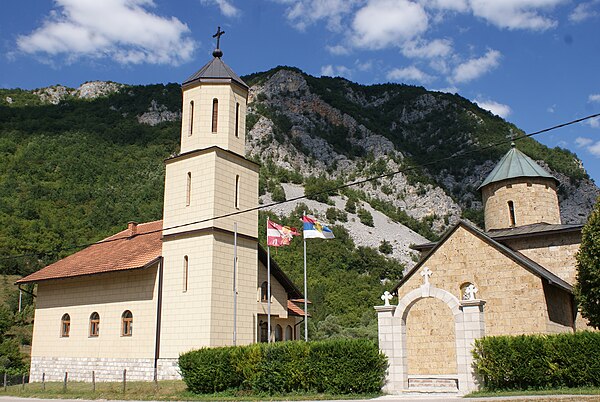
(105, 369)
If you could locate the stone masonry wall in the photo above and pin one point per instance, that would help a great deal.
(430, 338)
(534, 201)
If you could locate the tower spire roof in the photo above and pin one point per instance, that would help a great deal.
(515, 164)
(216, 70)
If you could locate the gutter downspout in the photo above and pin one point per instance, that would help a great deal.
(158, 318)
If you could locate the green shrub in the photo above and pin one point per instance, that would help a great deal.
(340, 366)
(538, 361)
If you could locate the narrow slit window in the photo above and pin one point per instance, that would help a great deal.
(94, 324)
(65, 326)
(237, 119)
(237, 191)
(188, 191)
(185, 273)
(215, 114)
(191, 118)
(511, 212)
(127, 323)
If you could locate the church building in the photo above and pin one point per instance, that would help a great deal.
(516, 277)
(138, 299)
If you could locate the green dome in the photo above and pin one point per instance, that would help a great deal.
(515, 164)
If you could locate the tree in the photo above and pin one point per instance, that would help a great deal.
(587, 288)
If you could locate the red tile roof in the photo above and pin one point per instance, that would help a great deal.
(115, 253)
(293, 309)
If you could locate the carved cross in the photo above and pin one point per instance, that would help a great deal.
(470, 292)
(426, 273)
(386, 297)
(218, 35)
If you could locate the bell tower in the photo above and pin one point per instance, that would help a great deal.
(208, 186)
(519, 192)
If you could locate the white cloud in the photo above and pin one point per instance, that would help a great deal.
(226, 7)
(427, 50)
(475, 68)
(583, 141)
(516, 14)
(584, 11)
(336, 71)
(594, 98)
(123, 30)
(494, 107)
(303, 13)
(411, 73)
(383, 23)
(338, 50)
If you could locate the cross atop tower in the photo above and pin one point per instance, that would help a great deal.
(218, 52)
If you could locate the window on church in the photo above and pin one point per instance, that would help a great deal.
(278, 333)
(127, 323)
(511, 212)
(264, 332)
(289, 333)
(237, 191)
(191, 118)
(215, 114)
(185, 273)
(237, 119)
(65, 325)
(188, 191)
(264, 295)
(94, 324)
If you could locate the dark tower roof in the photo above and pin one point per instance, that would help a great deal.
(215, 71)
(516, 164)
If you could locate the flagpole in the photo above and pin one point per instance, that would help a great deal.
(268, 286)
(305, 291)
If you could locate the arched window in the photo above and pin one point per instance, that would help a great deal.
(264, 296)
(237, 191)
(65, 325)
(278, 333)
(126, 323)
(188, 190)
(264, 332)
(511, 212)
(215, 114)
(191, 118)
(289, 333)
(185, 273)
(237, 119)
(94, 324)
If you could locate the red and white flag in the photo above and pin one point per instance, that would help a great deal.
(278, 235)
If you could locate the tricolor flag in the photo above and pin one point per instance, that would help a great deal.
(278, 235)
(313, 229)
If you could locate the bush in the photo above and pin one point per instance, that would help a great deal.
(539, 361)
(341, 366)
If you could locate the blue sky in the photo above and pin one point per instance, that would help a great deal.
(534, 62)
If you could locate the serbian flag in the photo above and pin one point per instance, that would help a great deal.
(278, 235)
(313, 229)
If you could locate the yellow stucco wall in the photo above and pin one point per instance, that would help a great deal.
(534, 199)
(107, 294)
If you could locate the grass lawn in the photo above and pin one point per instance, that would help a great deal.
(557, 391)
(166, 391)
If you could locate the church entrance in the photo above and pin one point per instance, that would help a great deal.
(431, 346)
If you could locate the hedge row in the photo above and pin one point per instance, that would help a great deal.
(342, 366)
(539, 361)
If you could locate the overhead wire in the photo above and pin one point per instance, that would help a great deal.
(459, 154)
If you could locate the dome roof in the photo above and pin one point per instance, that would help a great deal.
(516, 164)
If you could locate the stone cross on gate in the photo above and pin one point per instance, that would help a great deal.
(218, 36)
(426, 273)
(386, 297)
(470, 292)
